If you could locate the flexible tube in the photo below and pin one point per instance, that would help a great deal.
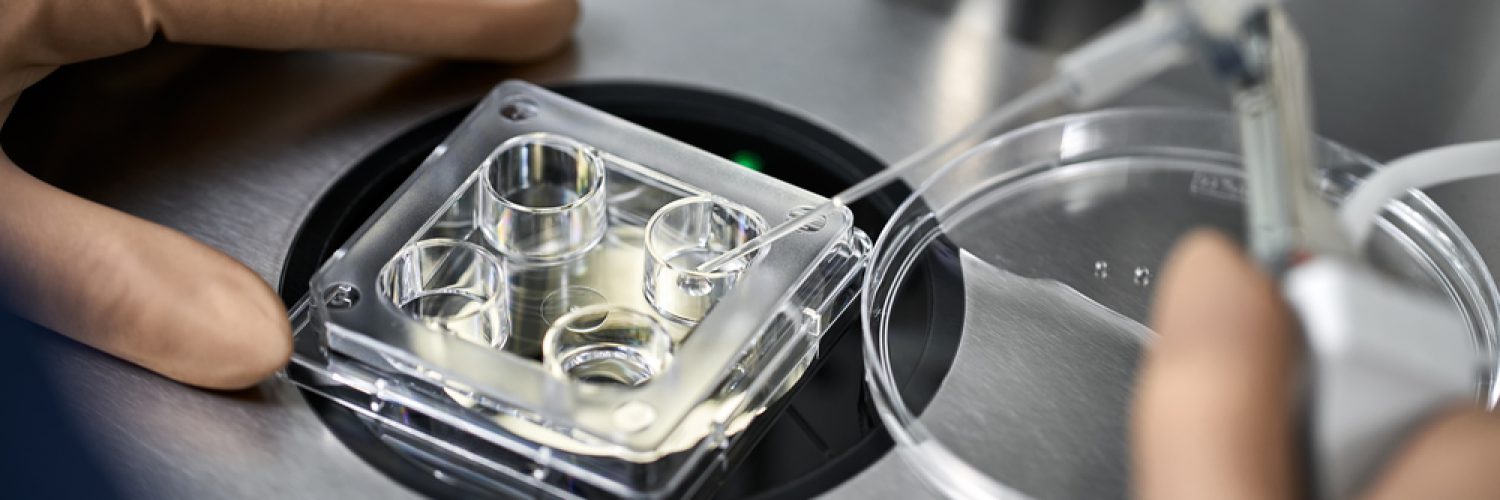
(1417, 171)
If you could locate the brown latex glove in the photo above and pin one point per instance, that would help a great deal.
(1214, 413)
(148, 294)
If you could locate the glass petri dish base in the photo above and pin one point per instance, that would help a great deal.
(1063, 227)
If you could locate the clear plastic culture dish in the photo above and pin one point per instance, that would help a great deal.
(523, 310)
(1062, 227)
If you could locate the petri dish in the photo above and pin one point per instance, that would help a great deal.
(1062, 226)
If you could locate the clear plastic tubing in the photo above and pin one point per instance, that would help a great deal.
(1120, 59)
(1034, 99)
(1418, 171)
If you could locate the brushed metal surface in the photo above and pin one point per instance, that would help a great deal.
(1043, 406)
(232, 147)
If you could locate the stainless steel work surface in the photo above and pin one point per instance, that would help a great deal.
(232, 147)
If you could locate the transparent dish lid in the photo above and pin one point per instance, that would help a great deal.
(1061, 228)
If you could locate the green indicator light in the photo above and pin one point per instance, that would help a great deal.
(747, 159)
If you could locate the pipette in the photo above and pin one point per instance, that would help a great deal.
(1032, 100)
(1102, 69)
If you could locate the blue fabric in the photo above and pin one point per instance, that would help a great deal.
(41, 453)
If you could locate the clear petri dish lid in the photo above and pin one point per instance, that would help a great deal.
(1060, 228)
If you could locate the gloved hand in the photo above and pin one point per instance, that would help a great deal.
(1214, 413)
(144, 292)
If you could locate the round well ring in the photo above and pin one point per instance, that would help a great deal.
(683, 235)
(452, 286)
(543, 198)
(607, 344)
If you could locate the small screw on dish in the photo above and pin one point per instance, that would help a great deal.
(341, 296)
(518, 108)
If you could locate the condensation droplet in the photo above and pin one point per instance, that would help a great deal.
(1101, 269)
(1142, 276)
